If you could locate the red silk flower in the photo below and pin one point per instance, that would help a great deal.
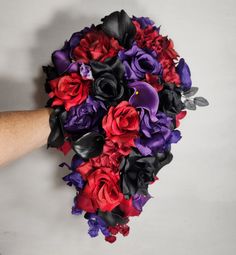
(164, 47)
(69, 90)
(101, 191)
(121, 124)
(110, 158)
(97, 46)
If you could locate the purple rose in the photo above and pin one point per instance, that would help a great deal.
(184, 74)
(85, 117)
(137, 63)
(156, 135)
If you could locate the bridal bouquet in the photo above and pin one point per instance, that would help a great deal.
(118, 92)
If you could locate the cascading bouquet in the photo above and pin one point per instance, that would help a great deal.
(118, 92)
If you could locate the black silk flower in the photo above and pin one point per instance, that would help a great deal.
(89, 145)
(108, 85)
(116, 216)
(57, 118)
(138, 171)
(170, 100)
(120, 26)
(51, 74)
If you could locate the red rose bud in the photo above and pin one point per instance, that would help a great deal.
(110, 239)
(124, 230)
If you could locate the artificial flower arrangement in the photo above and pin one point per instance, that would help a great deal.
(118, 92)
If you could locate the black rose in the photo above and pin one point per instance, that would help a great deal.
(109, 84)
(170, 100)
(138, 171)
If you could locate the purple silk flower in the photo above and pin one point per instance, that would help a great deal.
(138, 62)
(86, 72)
(74, 209)
(143, 21)
(140, 200)
(185, 74)
(85, 117)
(144, 97)
(74, 178)
(96, 223)
(156, 136)
(62, 59)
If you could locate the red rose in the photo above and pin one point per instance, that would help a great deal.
(96, 45)
(101, 191)
(121, 124)
(69, 90)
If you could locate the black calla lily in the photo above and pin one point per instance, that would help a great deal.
(56, 137)
(89, 145)
(120, 26)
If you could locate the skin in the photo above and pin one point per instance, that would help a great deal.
(22, 132)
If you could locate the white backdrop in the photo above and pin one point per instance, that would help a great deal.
(194, 205)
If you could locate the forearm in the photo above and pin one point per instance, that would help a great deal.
(21, 132)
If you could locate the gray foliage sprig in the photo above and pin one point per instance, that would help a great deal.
(191, 102)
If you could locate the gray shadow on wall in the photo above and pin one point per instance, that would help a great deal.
(49, 38)
(52, 36)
